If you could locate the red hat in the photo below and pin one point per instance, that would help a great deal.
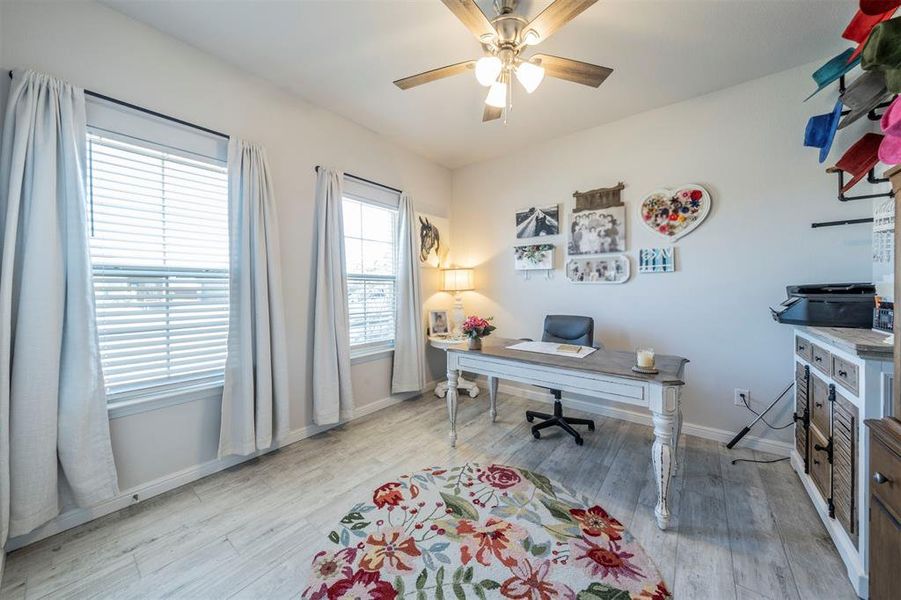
(859, 159)
(858, 30)
(877, 7)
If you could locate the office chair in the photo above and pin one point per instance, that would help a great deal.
(565, 329)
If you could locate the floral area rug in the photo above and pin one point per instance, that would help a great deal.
(480, 532)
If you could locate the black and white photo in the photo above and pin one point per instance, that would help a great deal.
(603, 269)
(537, 221)
(438, 323)
(597, 223)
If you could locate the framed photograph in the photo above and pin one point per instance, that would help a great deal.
(537, 222)
(439, 324)
(603, 269)
(597, 223)
(533, 257)
(656, 260)
(434, 240)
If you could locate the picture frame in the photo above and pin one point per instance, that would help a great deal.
(597, 223)
(604, 270)
(538, 221)
(533, 257)
(439, 322)
(657, 260)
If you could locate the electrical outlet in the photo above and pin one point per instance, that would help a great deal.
(738, 396)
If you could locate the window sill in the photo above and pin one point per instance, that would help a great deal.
(132, 406)
(369, 354)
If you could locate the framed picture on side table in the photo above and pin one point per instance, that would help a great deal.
(438, 322)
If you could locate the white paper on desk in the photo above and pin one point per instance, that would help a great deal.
(551, 348)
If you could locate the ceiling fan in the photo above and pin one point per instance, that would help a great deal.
(504, 39)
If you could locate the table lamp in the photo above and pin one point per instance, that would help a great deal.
(457, 280)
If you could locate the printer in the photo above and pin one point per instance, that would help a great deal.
(828, 305)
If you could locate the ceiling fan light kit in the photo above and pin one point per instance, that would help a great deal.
(504, 39)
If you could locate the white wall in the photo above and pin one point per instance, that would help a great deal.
(744, 145)
(102, 50)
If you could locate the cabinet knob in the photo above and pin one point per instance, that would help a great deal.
(817, 359)
(818, 404)
(842, 373)
(880, 478)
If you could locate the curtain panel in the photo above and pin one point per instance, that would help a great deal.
(54, 427)
(408, 371)
(255, 405)
(332, 389)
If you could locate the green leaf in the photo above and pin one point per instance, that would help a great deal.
(479, 591)
(420, 595)
(333, 536)
(540, 481)
(458, 592)
(489, 584)
(399, 586)
(420, 581)
(540, 549)
(467, 575)
(360, 525)
(557, 509)
(439, 593)
(527, 544)
(601, 591)
(459, 507)
(351, 517)
(439, 578)
(458, 574)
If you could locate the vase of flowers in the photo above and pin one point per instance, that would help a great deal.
(475, 328)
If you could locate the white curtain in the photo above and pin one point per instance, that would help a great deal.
(332, 390)
(409, 345)
(255, 397)
(54, 428)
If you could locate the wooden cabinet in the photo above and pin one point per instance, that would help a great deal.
(885, 507)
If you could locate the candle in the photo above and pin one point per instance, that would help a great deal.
(646, 358)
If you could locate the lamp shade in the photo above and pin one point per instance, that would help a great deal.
(456, 280)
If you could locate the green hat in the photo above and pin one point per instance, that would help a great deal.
(882, 52)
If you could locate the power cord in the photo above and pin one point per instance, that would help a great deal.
(744, 400)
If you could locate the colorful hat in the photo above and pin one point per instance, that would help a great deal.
(859, 159)
(890, 148)
(821, 131)
(858, 30)
(832, 70)
(877, 7)
(882, 52)
(863, 95)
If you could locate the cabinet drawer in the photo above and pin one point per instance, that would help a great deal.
(803, 348)
(845, 374)
(819, 463)
(888, 464)
(819, 405)
(822, 360)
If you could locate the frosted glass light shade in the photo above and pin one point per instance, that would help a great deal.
(487, 69)
(456, 280)
(497, 95)
(530, 76)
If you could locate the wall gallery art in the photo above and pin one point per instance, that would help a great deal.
(656, 260)
(602, 269)
(674, 213)
(434, 240)
(597, 223)
(533, 257)
(537, 221)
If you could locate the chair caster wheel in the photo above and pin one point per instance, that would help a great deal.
(530, 418)
(579, 441)
(536, 435)
(591, 427)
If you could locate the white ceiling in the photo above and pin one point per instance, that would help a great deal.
(344, 54)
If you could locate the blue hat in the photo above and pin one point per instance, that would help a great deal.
(833, 69)
(821, 130)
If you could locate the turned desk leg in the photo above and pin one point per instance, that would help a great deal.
(492, 398)
(665, 410)
(452, 405)
(677, 433)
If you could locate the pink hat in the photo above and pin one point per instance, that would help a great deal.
(890, 148)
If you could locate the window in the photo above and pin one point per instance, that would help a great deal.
(370, 248)
(159, 252)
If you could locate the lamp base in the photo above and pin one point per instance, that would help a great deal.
(458, 316)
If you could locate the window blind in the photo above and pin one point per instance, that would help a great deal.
(159, 252)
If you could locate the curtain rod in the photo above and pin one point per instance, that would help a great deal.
(369, 181)
(151, 112)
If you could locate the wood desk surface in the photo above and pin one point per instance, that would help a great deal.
(607, 362)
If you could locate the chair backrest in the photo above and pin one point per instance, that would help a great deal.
(568, 329)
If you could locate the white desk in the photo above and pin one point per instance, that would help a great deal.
(604, 374)
(443, 343)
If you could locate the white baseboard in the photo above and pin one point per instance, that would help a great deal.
(80, 516)
(711, 433)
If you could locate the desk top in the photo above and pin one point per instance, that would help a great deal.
(607, 362)
(865, 343)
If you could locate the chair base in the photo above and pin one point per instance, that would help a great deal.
(557, 420)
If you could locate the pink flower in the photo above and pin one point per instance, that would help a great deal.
(598, 561)
(530, 583)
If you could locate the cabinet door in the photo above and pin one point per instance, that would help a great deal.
(844, 464)
(885, 552)
(802, 378)
(820, 469)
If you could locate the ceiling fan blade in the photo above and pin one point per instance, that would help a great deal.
(555, 16)
(471, 16)
(434, 75)
(573, 70)
(491, 113)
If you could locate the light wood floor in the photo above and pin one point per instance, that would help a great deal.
(746, 531)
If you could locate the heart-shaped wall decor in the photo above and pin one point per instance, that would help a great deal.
(674, 213)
